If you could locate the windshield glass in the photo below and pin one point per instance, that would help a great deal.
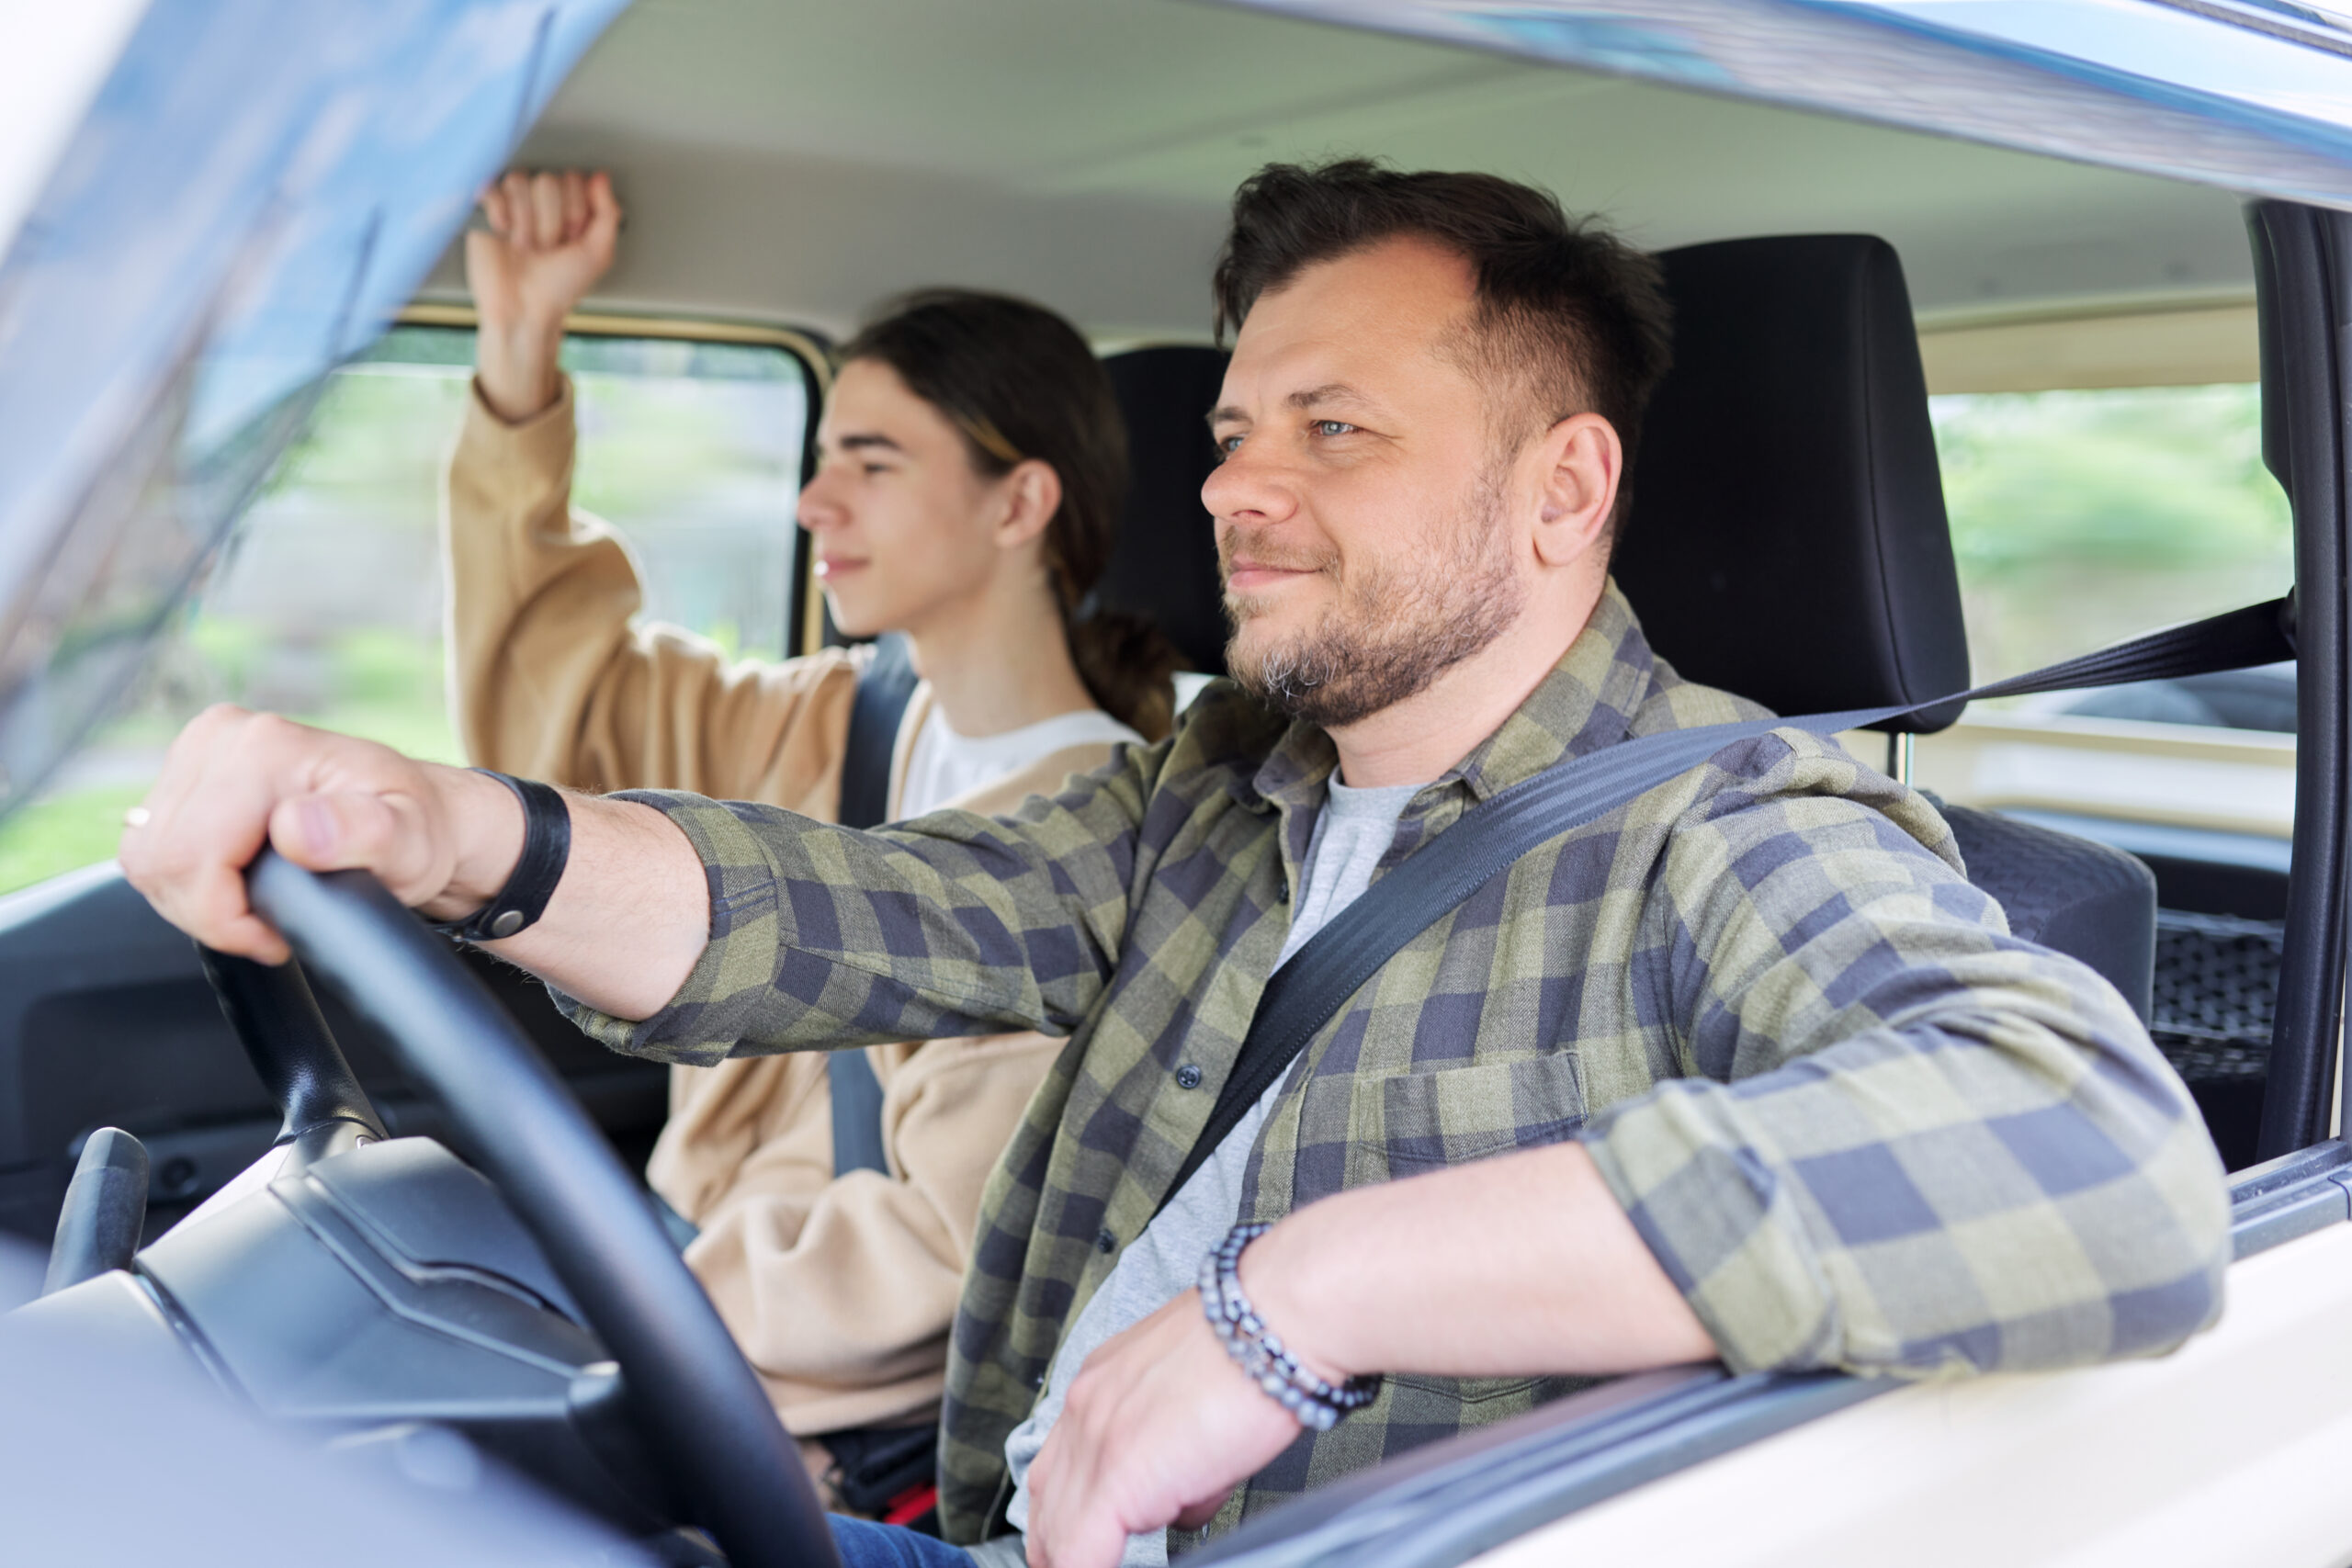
(255, 190)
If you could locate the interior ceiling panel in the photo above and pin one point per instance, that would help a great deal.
(796, 159)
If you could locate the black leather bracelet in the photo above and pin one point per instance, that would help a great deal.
(1315, 1403)
(547, 846)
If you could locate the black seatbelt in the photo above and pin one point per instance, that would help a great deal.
(875, 715)
(884, 690)
(1337, 961)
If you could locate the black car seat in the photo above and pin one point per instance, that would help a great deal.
(1786, 539)
(1164, 564)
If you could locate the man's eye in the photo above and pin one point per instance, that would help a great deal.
(1332, 427)
(1226, 445)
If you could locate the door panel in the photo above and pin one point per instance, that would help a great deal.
(106, 1020)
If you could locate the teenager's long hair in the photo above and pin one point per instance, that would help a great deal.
(1020, 383)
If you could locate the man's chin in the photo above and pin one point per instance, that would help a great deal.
(1248, 648)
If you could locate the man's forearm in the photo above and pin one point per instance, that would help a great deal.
(1519, 1265)
(628, 919)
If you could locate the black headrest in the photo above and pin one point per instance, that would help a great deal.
(1787, 538)
(1164, 565)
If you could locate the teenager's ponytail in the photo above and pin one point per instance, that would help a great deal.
(1020, 383)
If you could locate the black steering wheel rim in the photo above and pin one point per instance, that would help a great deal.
(702, 1407)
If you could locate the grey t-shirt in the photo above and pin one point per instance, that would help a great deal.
(1354, 830)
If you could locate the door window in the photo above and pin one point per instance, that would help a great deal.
(2081, 518)
(327, 603)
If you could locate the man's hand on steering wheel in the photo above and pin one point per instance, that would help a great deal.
(1159, 1426)
(440, 839)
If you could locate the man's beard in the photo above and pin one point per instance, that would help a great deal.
(1397, 625)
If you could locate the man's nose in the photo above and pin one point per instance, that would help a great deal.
(1249, 487)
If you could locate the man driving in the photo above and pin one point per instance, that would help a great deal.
(1743, 1068)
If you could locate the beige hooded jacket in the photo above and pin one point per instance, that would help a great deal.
(841, 1292)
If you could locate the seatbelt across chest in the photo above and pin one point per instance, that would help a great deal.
(1338, 960)
(884, 689)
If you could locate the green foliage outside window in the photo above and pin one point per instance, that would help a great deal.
(2082, 518)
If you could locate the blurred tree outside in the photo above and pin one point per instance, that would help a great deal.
(2082, 518)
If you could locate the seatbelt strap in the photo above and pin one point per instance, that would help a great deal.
(884, 688)
(1338, 961)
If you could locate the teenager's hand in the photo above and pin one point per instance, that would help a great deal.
(551, 238)
(441, 839)
(1159, 1427)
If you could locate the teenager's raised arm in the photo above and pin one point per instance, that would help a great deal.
(552, 676)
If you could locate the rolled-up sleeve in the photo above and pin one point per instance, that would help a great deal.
(1907, 1142)
(953, 924)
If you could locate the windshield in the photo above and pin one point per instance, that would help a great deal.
(255, 190)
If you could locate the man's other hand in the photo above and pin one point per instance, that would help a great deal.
(440, 839)
(1159, 1426)
(551, 238)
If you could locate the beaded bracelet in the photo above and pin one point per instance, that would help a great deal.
(1317, 1405)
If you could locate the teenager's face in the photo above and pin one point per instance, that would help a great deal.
(903, 523)
(1362, 515)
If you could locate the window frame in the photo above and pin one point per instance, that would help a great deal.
(2304, 277)
(805, 612)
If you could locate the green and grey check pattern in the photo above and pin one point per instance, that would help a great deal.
(1860, 1124)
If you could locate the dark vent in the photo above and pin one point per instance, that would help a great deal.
(2217, 981)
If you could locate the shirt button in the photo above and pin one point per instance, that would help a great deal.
(1281, 891)
(1106, 1242)
(1188, 1077)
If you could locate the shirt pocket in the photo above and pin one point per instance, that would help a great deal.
(1454, 1116)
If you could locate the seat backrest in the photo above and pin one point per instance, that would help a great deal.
(2085, 899)
(1786, 538)
(1164, 564)
(1787, 541)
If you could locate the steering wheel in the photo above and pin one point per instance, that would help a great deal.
(700, 1405)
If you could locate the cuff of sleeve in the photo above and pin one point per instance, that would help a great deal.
(1722, 1226)
(734, 980)
(546, 436)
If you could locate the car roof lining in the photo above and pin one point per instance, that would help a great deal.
(787, 160)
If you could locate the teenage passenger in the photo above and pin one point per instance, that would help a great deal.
(1744, 1068)
(972, 465)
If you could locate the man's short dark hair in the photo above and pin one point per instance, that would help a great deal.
(1568, 317)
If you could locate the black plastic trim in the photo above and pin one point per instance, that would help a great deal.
(2303, 284)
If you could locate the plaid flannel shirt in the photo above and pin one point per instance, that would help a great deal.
(1859, 1123)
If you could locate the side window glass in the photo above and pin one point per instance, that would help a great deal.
(328, 603)
(2081, 517)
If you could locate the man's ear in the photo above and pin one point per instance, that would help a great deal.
(1033, 494)
(1582, 463)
